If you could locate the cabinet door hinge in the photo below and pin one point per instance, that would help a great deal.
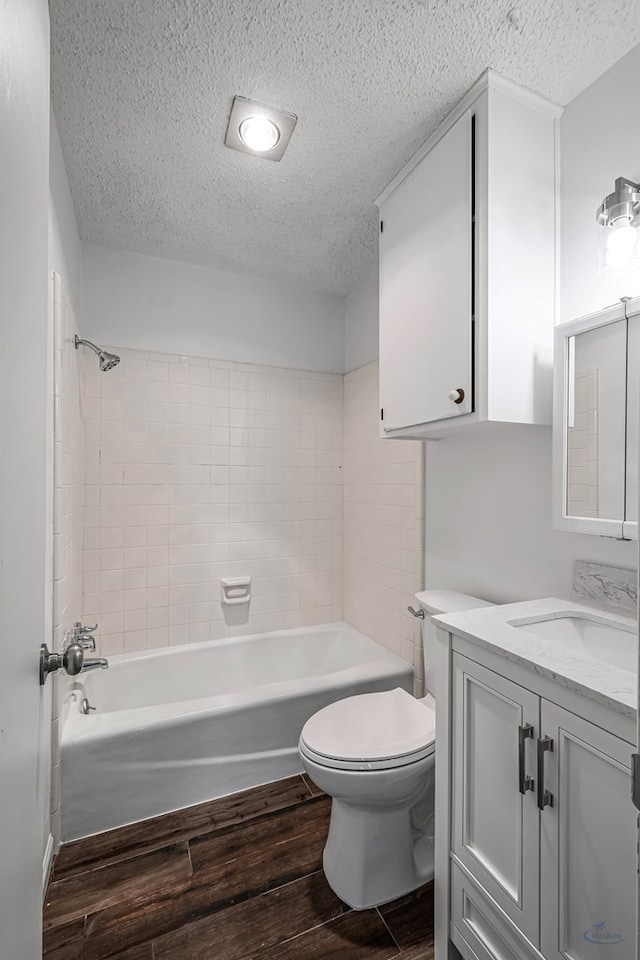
(381, 413)
(382, 226)
(635, 779)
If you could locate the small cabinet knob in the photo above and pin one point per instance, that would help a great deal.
(457, 395)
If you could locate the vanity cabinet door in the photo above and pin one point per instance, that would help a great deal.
(495, 818)
(588, 842)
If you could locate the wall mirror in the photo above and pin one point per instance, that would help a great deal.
(597, 422)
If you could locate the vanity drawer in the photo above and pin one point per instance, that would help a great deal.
(479, 929)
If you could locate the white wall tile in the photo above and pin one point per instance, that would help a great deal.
(71, 544)
(383, 496)
(166, 519)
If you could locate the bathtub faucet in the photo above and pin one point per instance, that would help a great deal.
(96, 663)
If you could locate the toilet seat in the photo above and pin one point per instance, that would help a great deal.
(372, 731)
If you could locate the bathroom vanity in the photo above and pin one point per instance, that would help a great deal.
(535, 826)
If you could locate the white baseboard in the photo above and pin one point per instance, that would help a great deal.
(47, 863)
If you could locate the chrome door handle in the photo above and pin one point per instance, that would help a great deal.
(72, 660)
(49, 663)
(545, 797)
(525, 782)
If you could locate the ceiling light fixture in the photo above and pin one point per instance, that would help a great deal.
(618, 218)
(257, 129)
(259, 134)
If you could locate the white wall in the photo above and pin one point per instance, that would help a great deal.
(24, 706)
(65, 250)
(148, 303)
(65, 259)
(600, 140)
(361, 324)
(488, 524)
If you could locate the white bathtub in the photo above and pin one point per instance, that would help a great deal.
(181, 725)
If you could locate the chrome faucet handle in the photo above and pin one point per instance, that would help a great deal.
(72, 639)
(87, 643)
(82, 635)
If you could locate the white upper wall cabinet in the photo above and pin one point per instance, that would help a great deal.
(468, 269)
(426, 285)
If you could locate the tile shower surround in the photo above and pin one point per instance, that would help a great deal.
(383, 525)
(68, 460)
(199, 469)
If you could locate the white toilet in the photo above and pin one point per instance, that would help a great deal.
(374, 755)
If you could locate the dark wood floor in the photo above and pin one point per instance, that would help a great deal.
(238, 878)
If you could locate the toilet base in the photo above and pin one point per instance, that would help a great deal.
(375, 855)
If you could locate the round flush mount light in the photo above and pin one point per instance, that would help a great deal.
(259, 130)
(259, 133)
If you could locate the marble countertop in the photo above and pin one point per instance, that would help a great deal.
(489, 627)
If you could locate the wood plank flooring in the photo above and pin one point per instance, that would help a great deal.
(239, 878)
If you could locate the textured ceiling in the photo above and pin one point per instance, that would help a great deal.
(142, 91)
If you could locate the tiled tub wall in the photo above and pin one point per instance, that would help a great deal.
(583, 467)
(200, 469)
(383, 524)
(68, 459)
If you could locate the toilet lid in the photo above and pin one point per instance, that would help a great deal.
(371, 730)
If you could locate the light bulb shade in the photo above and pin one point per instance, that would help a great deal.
(618, 249)
(618, 230)
(259, 133)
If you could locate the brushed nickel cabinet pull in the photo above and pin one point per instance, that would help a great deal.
(525, 783)
(545, 797)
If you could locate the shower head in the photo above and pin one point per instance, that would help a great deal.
(106, 360)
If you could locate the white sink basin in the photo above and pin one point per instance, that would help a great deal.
(609, 642)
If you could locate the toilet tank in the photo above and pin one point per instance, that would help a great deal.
(435, 602)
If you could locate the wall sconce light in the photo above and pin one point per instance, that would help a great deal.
(618, 219)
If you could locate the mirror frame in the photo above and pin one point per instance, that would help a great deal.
(601, 526)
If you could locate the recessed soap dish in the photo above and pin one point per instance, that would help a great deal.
(235, 590)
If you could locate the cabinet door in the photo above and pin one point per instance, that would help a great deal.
(495, 825)
(588, 843)
(425, 287)
(475, 919)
